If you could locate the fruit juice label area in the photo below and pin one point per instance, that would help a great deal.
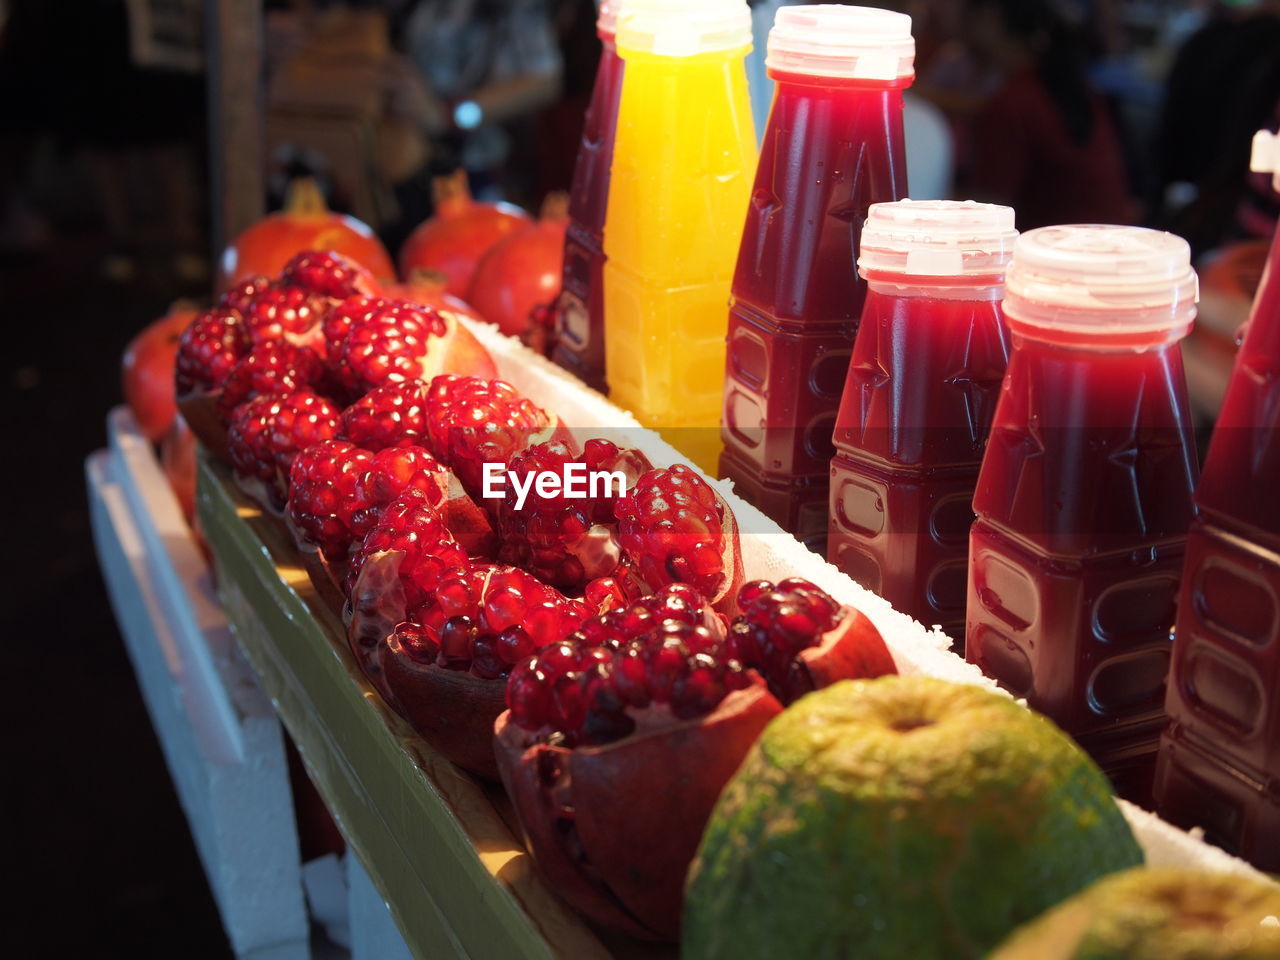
(702, 737)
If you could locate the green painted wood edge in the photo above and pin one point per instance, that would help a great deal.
(443, 898)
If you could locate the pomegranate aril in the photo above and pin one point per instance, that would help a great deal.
(419, 642)
(558, 659)
(528, 697)
(514, 645)
(456, 640)
(698, 691)
(630, 676)
(485, 662)
(568, 704)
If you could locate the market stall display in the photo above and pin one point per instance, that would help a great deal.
(568, 695)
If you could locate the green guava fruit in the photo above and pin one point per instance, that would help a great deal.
(903, 817)
(1156, 914)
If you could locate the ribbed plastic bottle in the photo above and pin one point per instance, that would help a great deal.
(1219, 762)
(683, 159)
(833, 146)
(1084, 497)
(578, 344)
(927, 367)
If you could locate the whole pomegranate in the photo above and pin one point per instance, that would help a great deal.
(147, 371)
(305, 223)
(522, 271)
(459, 234)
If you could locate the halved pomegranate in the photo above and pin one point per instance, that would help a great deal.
(565, 541)
(802, 640)
(674, 528)
(446, 667)
(615, 748)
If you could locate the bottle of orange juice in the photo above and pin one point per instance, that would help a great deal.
(683, 163)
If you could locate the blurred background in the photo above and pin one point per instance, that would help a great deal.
(119, 175)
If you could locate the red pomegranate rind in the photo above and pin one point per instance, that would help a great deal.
(639, 808)
(453, 710)
(854, 650)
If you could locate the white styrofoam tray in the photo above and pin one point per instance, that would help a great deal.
(770, 553)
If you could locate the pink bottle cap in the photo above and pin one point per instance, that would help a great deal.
(683, 28)
(829, 40)
(1102, 279)
(936, 238)
(1266, 155)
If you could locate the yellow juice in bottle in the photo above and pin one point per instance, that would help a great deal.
(683, 164)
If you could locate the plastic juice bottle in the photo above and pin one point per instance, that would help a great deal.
(579, 331)
(1219, 764)
(1084, 497)
(922, 387)
(832, 147)
(682, 161)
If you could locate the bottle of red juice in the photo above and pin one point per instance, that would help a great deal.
(927, 365)
(1084, 497)
(1219, 765)
(578, 339)
(833, 146)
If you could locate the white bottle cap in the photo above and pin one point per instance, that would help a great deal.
(607, 20)
(683, 28)
(1102, 279)
(936, 238)
(1266, 155)
(829, 40)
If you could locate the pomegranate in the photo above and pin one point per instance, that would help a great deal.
(305, 223)
(566, 542)
(387, 341)
(267, 432)
(676, 529)
(446, 666)
(337, 491)
(459, 234)
(147, 371)
(463, 353)
(436, 632)
(801, 639)
(615, 747)
(273, 366)
(472, 421)
(522, 271)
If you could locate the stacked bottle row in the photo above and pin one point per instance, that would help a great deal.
(991, 433)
